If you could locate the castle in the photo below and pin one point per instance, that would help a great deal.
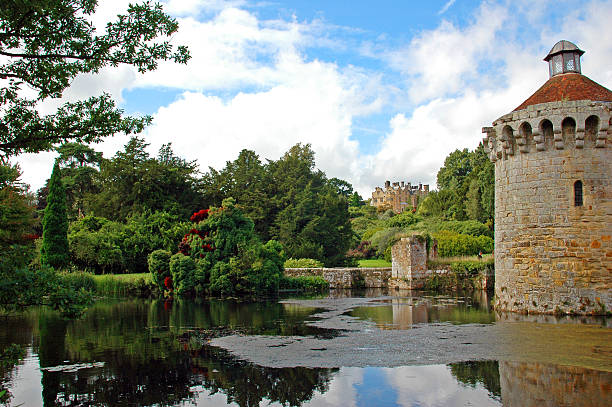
(398, 196)
(553, 194)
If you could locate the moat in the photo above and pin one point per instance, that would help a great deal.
(342, 349)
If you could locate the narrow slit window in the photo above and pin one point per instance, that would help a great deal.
(578, 193)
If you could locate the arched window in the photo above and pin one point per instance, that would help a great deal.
(578, 193)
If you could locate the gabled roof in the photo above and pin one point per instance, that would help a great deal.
(568, 87)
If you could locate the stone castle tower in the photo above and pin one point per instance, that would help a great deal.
(553, 194)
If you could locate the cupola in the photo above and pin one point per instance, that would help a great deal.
(564, 57)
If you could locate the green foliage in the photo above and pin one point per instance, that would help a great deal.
(403, 220)
(268, 267)
(79, 166)
(185, 276)
(466, 185)
(227, 258)
(288, 201)
(443, 204)
(304, 283)
(472, 267)
(132, 182)
(16, 219)
(303, 263)
(21, 288)
(461, 275)
(159, 266)
(54, 250)
(146, 232)
(384, 239)
(78, 280)
(457, 244)
(125, 285)
(355, 200)
(70, 302)
(47, 43)
(95, 245)
(103, 246)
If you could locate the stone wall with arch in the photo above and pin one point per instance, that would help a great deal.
(552, 255)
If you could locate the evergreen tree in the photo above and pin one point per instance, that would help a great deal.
(54, 250)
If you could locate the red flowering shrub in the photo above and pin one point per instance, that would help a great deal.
(199, 215)
(168, 283)
(183, 246)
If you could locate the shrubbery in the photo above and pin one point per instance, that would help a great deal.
(221, 255)
(457, 244)
(159, 267)
(103, 246)
(363, 251)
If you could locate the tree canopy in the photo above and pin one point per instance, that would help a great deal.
(288, 200)
(45, 44)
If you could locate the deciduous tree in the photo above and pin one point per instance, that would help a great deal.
(45, 44)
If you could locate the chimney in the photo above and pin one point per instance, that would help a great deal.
(387, 184)
(402, 184)
(426, 187)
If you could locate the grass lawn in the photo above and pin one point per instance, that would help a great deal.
(374, 263)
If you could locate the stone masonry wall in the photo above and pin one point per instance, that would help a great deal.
(550, 255)
(409, 262)
(357, 277)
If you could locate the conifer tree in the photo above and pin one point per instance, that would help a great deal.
(54, 250)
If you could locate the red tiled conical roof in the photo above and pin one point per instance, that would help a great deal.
(569, 86)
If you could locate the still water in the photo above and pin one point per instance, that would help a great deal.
(151, 352)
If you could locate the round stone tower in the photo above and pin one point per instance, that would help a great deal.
(553, 194)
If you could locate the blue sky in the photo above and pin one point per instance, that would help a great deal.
(381, 90)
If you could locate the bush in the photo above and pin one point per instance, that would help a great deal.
(457, 244)
(302, 263)
(147, 232)
(268, 268)
(363, 251)
(22, 287)
(384, 239)
(402, 220)
(159, 267)
(95, 245)
(304, 283)
(185, 276)
(103, 246)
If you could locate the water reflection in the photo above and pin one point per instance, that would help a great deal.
(406, 311)
(151, 353)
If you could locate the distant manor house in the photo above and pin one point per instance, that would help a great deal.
(553, 194)
(398, 196)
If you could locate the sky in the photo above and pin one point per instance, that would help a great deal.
(382, 90)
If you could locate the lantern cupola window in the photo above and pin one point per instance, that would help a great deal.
(564, 57)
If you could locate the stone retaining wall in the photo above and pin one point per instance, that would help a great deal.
(355, 277)
(380, 277)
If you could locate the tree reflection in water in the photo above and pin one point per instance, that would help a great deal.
(158, 354)
(153, 355)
